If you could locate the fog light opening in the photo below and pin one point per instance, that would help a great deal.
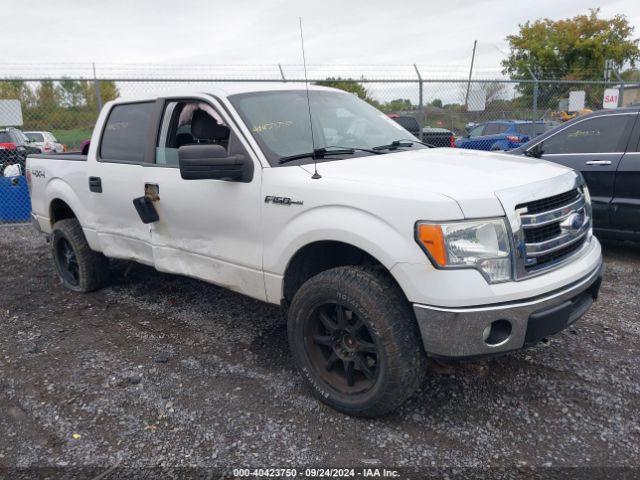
(497, 333)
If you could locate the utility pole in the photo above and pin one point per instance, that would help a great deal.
(420, 99)
(282, 73)
(535, 94)
(621, 89)
(473, 56)
(96, 83)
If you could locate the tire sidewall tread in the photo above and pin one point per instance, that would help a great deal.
(93, 267)
(372, 293)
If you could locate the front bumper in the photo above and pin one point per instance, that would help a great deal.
(491, 329)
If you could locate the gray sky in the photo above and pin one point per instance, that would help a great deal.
(241, 32)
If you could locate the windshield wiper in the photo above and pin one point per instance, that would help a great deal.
(324, 152)
(402, 143)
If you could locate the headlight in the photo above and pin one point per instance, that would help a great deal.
(482, 244)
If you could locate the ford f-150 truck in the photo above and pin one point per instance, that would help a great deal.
(381, 251)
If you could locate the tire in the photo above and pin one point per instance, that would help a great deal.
(79, 268)
(336, 362)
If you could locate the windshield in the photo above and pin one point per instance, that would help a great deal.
(279, 121)
(35, 137)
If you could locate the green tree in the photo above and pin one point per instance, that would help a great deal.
(570, 49)
(436, 103)
(352, 86)
(397, 105)
(574, 48)
(47, 95)
(108, 91)
(73, 93)
(17, 90)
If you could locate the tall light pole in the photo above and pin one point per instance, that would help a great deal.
(473, 56)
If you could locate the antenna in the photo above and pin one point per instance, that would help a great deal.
(315, 175)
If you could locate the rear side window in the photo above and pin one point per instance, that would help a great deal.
(530, 129)
(477, 131)
(495, 128)
(605, 134)
(35, 137)
(409, 123)
(125, 134)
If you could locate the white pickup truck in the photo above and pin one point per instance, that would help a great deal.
(380, 250)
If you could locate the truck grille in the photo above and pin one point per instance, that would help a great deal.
(554, 228)
(550, 203)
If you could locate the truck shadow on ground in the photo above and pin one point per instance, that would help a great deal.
(261, 328)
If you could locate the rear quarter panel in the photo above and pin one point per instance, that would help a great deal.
(56, 178)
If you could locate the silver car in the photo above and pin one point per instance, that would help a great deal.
(45, 141)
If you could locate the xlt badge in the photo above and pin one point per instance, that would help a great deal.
(281, 200)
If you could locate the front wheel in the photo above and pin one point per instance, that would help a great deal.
(355, 341)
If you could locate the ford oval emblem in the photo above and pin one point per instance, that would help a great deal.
(573, 223)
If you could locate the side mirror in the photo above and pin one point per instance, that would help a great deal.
(211, 162)
(535, 151)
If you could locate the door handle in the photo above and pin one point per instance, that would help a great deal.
(152, 191)
(598, 162)
(95, 184)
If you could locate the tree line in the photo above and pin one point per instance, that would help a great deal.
(58, 105)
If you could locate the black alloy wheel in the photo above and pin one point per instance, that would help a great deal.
(67, 261)
(341, 348)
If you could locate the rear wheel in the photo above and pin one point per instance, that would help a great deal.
(355, 341)
(79, 268)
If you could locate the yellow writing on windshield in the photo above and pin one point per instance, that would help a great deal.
(271, 126)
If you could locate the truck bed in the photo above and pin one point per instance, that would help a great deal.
(73, 156)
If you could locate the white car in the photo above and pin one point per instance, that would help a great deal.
(380, 251)
(45, 141)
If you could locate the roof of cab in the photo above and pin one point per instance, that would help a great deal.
(228, 89)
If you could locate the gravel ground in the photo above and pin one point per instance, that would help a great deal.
(160, 370)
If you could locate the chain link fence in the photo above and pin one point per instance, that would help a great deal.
(486, 112)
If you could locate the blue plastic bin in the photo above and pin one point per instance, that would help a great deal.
(15, 204)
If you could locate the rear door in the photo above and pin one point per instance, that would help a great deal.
(493, 138)
(625, 206)
(594, 146)
(115, 179)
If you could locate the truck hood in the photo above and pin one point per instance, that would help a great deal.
(469, 177)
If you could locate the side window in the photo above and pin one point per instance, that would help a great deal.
(125, 133)
(604, 134)
(477, 131)
(491, 129)
(189, 122)
(495, 128)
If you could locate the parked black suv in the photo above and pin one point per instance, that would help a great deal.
(14, 145)
(438, 137)
(605, 147)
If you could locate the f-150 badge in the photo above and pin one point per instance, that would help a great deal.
(281, 200)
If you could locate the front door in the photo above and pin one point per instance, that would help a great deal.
(625, 207)
(208, 229)
(594, 147)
